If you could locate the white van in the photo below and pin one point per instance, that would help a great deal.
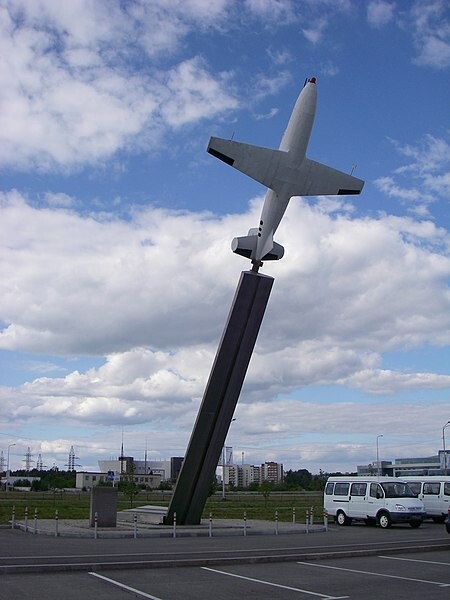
(382, 500)
(434, 491)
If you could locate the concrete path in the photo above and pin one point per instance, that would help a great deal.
(145, 521)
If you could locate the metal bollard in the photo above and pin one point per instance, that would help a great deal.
(95, 525)
(245, 523)
(56, 523)
(26, 519)
(307, 521)
(210, 524)
(135, 526)
(35, 520)
(293, 516)
(174, 524)
(13, 519)
(276, 522)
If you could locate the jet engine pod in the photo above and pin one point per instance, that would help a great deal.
(245, 245)
(276, 253)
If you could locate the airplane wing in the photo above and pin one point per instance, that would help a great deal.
(276, 170)
(319, 180)
(261, 164)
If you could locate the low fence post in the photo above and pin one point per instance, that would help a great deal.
(210, 524)
(311, 513)
(307, 520)
(245, 523)
(35, 521)
(293, 516)
(56, 523)
(325, 520)
(95, 525)
(135, 525)
(26, 519)
(174, 524)
(276, 522)
(13, 518)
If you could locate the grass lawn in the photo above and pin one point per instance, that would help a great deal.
(75, 505)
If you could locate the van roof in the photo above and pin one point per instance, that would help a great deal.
(362, 478)
(426, 477)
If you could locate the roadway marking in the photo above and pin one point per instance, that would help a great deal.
(124, 587)
(278, 585)
(440, 584)
(427, 542)
(428, 562)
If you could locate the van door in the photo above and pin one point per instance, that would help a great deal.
(341, 501)
(358, 500)
(375, 500)
(446, 497)
(431, 495)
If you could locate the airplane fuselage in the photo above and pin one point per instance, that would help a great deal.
(286, 172)
(295, 142)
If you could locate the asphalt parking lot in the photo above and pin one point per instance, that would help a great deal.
(352, 562)
(410, 577)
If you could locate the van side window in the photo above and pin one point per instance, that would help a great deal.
(329, 489)
(447, 489)
(375, 490)
(415, 486)
(431, 489)
(341, 489)
(358, 489)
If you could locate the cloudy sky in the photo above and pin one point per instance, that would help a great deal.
(116, 274)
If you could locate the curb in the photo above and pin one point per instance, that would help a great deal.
(201, 562)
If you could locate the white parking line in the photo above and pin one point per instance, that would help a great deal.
(125, 587)
(375, 574)
(278, 585)
(428, 562)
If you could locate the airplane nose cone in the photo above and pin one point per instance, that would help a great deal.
(312, 80)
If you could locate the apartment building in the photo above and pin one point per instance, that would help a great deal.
(242, 476)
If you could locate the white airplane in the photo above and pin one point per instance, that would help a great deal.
(286, 172)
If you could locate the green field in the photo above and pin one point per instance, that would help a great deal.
(75, 505)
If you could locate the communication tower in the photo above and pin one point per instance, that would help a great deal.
(28, 459)
(39, 463)
(72, 458)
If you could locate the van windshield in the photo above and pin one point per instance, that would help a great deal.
(397, 490)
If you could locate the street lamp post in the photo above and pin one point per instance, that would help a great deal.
(443, 445)
(224, 451)
(7, 468)
(378, 456)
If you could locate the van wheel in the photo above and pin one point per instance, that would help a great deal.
(384, 520)
(342, 519)
(415, 524)
(440, 519)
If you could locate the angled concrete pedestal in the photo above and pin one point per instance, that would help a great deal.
(220, 398)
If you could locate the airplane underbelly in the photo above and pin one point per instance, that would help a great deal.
(274, 208)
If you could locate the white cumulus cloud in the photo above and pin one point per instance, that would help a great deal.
(379, 12)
